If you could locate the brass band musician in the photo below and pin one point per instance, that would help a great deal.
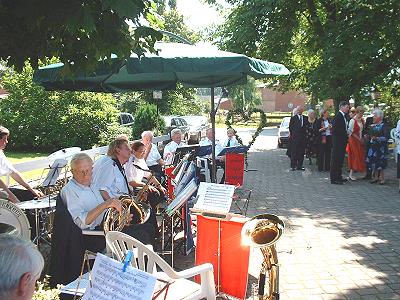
(6, 168)
(87, 206)
(170, 148)
(152, 156)
(136, 171)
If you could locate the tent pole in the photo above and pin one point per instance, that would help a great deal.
(212, 116)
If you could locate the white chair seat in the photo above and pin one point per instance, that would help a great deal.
(178, 289)
(147, 260)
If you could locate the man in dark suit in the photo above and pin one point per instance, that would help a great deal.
(297, 129)
(339, 141)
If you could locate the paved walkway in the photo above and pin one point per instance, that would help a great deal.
(341, 242)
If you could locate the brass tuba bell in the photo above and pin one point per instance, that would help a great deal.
(263, 231)
(115, 221)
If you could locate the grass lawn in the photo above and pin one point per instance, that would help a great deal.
(19, 157)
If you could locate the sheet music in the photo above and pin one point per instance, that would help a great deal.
(109, 282)
(214, 197)
(183, 196)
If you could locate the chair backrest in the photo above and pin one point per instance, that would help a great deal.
(145, 258)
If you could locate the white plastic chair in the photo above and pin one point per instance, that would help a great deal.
(147, 260)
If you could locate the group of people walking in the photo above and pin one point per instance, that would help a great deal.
(327, 140)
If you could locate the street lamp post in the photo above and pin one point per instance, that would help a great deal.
(157, 95)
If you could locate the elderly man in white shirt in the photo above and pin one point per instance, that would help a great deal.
(170, 148)
(87, 207)
(208, 141)
(152, 156)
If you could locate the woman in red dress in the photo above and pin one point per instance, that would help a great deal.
(355, 146)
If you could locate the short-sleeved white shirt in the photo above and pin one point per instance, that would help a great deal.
(133, 173)
(6, 167)
(207, 142)
(170, 148)
(153, 157)
(107, 177)
(233, 142)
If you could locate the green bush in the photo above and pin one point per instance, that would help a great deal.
(47, 121)
(146, 118)
(114, 130)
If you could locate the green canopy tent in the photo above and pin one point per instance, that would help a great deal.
(192, 66)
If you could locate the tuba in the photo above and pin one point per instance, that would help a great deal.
(263, 231)
(115, 221)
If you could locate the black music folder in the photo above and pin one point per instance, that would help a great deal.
(182, 151)
(236, 149)
(205, 150)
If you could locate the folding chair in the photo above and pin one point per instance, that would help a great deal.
(234, 175)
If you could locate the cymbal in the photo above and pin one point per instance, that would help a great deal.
(64, 153)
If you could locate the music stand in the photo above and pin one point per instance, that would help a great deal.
(205, 150)
(48, 182)
(181, 151)
(236, 149)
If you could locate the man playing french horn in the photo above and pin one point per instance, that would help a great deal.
(87, 207)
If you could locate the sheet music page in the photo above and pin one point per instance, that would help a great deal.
(214, 197)
(110, 283)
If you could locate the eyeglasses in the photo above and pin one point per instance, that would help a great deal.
(82, 172)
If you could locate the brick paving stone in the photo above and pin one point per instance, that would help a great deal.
(346, 236)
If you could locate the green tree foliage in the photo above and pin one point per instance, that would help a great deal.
(181, 101)
(129, 102)
(333, 48)
(75, 31)
(47, 121)
(245, 97)
(146, 118)
(174, 22)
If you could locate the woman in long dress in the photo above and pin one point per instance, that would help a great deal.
(378, 138)
(355, 147)
(311, 136)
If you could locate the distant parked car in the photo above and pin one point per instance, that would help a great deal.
(283, 132)
(172, 122)
(197, 127)
(126, 119)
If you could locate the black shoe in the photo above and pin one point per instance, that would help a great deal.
(344, 180)
(292, 169)
(336, 182)
(301, 169)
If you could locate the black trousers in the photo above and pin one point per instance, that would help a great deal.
(324, 155)
(297, 153)
(338, 151)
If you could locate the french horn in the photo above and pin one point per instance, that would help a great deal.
(143, 192)
(263, 231)
(115, 221)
